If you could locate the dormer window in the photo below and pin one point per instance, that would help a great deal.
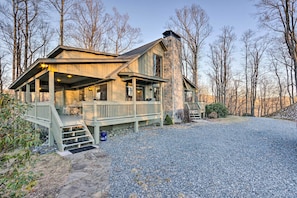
(157, 65)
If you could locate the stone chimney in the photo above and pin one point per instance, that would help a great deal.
(173, 97)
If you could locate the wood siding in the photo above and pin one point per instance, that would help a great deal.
(90, 70)
(144, 65)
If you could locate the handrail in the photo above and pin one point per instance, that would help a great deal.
(105, 110)
(56, 127)
(47, 113)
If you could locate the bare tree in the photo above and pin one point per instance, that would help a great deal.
(31, 9)
(257, 51)
(246, 39)
(10, 24)
(3, 74)
(21, 30)
(276, 66)
(192, 24)
(62, 7)
(280, 16)
(122, 36)
(89, 24)
(221, 57)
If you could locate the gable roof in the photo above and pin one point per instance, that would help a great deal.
(61, 48)
(135, 54)
(144, 48)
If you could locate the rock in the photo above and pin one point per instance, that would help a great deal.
(213, 115)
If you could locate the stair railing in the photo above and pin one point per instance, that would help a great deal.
(56, 127)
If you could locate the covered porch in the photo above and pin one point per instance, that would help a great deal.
(63, 101)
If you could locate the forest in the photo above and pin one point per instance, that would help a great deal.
(262, 82)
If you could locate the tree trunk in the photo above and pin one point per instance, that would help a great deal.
(26, 36)
(62, 23)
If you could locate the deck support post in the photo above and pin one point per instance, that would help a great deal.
(96, 133)
(28, 97)
(50, 137)
(37, 90)
(51, 84)
(19, 94)
(161, 105)
(134, 104)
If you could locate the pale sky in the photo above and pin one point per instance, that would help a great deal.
(152, 16)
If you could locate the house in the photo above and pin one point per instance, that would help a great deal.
(75, 93)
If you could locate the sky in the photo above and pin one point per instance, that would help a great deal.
(153, 15)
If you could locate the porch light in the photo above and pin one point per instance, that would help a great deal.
(43, 66)
(58, 80)
(69, 76)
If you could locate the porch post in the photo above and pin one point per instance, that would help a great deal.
(50, 137)
(19, 96)
(37, 90)
(96, 133)
(27, 96)
(51, 85)
(161, 105)
(63, 97)
(134, 104)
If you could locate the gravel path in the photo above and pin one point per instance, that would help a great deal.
(253, 158)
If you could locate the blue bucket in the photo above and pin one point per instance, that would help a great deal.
(103, 136)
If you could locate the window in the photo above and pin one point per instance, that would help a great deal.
(157, 65)
(101, 92)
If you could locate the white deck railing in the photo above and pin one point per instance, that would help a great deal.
(40, 111)
(104, 110)
(45, 114)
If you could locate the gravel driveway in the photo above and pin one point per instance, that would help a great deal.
(253, 158)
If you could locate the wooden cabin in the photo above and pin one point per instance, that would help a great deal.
(75, 92)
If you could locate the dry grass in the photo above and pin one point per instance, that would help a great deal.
(229, 119)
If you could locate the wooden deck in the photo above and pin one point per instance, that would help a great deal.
(95, 114)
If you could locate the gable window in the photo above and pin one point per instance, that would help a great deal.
(101, 92)
(157, 65)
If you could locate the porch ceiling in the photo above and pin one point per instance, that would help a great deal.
(64, 81)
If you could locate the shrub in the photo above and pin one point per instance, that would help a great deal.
(168, 120)
(219, 108)
(16, 138)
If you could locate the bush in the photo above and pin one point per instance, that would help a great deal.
(16, 138)
(219, 108)
(168, 120)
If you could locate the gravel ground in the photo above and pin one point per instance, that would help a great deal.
(253, 158)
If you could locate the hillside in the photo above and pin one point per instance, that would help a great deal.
(288, 113)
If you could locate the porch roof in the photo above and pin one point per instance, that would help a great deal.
(36, 67)
(127, 76)
(188, 84)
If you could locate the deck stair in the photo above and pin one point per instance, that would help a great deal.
(195, 110)
(194, 114)
(76, 136)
